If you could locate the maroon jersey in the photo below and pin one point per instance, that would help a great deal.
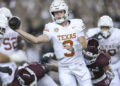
(97, 63)
(27, 76)
(96, 68)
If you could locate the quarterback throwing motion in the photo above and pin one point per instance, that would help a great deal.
(68, 40)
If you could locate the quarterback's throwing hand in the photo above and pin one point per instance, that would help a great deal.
(14, 23)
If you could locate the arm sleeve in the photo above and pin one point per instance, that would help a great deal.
(103, 60)
(47, 31)
(81, 28)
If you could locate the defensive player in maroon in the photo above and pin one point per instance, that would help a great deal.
(28, 74)
(98, 64)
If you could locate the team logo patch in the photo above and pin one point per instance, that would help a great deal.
(73, 27)
(56, 29)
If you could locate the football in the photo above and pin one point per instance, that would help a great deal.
(14, 23)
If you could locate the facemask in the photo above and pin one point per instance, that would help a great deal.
(105, 33)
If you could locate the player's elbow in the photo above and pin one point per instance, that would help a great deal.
(36, 41)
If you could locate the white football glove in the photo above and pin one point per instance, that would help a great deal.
(48, 55)
(110, 75)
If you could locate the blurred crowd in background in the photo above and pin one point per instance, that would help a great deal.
(35, 14)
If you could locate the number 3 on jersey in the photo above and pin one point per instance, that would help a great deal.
(9, 43)
(70, 43)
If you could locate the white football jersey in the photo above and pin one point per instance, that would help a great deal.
(32, 55)
(111, 45)
(7, 47)
(92, 31)
(61, 36)
(9, 42)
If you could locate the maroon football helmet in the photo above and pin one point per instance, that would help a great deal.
(92, 46)
(28, 74)
(92, 51)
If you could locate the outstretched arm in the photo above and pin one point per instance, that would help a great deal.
(15, 24)
(39, 39)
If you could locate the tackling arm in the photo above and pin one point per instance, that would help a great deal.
(52, 67)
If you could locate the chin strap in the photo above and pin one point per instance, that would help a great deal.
(105, 36)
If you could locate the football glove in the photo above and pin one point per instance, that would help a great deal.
(110, 75)
(49, 55)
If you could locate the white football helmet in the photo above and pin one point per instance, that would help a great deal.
(3, 25)
(5, 11)
(105, 21)
(58, 5)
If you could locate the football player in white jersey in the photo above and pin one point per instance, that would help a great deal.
(6, 78)
(68, 41)
(108, 37)
(10, 37)
(2, 32)
(3, 24)
(8, 45)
